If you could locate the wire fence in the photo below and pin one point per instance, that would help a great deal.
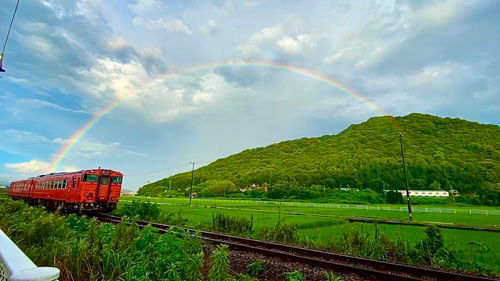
(488, 212)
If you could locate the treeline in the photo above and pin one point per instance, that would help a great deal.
(441, 153)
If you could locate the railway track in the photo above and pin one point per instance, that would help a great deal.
(367, 268)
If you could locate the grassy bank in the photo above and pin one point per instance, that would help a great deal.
(476, 250)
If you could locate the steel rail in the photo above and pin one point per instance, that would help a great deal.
(371, 269)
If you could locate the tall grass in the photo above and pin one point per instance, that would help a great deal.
(85, 249)
(394, 247)
(222, 222)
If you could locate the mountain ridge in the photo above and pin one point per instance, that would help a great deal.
(440, 153)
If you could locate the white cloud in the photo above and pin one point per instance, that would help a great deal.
(62, 141)
(88, 149)
(42, 47)
(306, 39)
(292, 46)
(210, 28)
(289, 46)
(18, 80)
(249, 4)
(248, 51)
(118, 42)
(439, 13)
(171, 25)
(24, 136)
(177, 97)
(36, 103)
(267, 33)
(433, 74)
(122, 79)
(28, 167)
(145, 6)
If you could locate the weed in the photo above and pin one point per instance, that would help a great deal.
(255, 268)
(294, 276)
(330, 276)
(219, 264)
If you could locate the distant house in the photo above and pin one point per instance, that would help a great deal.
(2, 187)
(348, 189)
(126, 192)
(424, 193)
(254, 186)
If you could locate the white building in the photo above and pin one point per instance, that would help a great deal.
(425, 193)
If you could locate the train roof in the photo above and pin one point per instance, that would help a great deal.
(67, 173)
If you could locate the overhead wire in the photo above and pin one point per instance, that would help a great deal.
(163, 169)
(10, 27)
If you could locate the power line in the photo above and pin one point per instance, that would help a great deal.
(163, 169)
(8, 32)
(156, 171)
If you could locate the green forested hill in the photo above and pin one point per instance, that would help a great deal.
(440, 153)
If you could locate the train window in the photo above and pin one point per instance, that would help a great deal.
(116, 180)
(104, 180)
(91, 178)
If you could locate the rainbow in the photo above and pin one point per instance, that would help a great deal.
(76, 137)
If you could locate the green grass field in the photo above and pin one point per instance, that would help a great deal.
(324, 224)
(461, 217)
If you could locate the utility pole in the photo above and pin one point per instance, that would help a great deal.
(406, 178)
(452, 193)
(192, 178)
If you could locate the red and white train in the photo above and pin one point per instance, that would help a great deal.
(95, 190)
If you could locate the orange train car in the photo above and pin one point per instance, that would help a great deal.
(96, 190)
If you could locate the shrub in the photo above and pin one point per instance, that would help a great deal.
(231, 224)
(88, 250)
(280, 233)
(426, 250)
(142, 210)
(255, 268)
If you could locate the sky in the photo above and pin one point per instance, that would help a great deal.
(145, 87)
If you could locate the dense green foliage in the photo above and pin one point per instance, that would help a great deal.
(86, 250)
(441, 153)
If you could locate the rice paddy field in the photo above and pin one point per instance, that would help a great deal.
(324, 223)
(463, 216)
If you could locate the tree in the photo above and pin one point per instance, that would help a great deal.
(393, 197)
(217, 188)
(435, 185)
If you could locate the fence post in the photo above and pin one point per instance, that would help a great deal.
(486, 212)
(470, 212)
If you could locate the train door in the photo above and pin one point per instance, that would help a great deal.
(73, 193)
(104, 188)
(32, 188)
